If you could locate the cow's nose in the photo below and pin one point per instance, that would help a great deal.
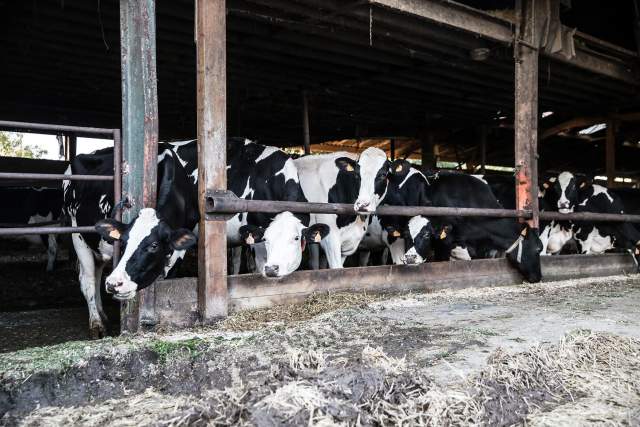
(271, 270)
(410, 259)
(362, 206)
(111, 287)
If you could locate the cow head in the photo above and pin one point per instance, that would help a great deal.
(564, 191)
(374, 172)
(149, 243)
(422, 236)
(285, 239)
(524, 254)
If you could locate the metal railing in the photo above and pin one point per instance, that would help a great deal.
(76, 130)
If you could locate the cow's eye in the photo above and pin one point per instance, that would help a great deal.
(296, 238)
(153, 247)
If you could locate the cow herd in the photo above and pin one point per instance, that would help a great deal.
(155, 242)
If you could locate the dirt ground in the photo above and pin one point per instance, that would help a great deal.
(546, 354)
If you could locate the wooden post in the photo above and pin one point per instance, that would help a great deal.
(139, 131)
(611, 154)
(212, 154)
(305, 124)
(392, 149)
(71, 142)
(530, 14)
(429, 159)
(483, 149)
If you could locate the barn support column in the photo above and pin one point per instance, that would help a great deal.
(306, 134)
(392, 149)
(530, 15)
(483, 149)
(611, 154)
(429, 152)
(212, 154)
(139, 132)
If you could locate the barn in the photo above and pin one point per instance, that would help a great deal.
(521, 89)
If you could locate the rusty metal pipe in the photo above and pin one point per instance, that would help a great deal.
(54, 176)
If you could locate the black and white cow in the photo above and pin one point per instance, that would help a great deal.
(150, 240)
(30, 205)
(579, 194)
(461, 237)
(344, 178)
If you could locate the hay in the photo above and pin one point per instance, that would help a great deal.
(587, 377)
(313, 306)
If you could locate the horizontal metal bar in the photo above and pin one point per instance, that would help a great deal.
(589, 216)
(20, 231)
(217, 204)
(35, 224)
(54, 176)
(19, 126)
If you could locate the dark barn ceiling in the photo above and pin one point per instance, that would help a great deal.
(397, 76)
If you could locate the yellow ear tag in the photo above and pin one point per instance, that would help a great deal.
(399, 168)
(250, 240)
(443, 234)
(114, 234)
(523, 233)
(545, 185)
(317, 237)
(350, 168)
(583, 184)
(395, 233)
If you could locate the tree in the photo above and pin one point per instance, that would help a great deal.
(11, 145)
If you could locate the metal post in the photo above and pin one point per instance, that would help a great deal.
(139, 128)
(483, 149)
(305, 123)
(526, 106)
(611, 154)
(212, 136)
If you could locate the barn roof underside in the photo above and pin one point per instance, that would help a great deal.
(369, 68)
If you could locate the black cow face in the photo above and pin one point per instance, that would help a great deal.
(524, 254)
(149, 243)
(419, 240)
(374, 179)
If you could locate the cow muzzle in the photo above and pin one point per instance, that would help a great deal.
(271, 270)
(364, 207)
(121, 288)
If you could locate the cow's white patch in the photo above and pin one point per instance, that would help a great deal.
(460, 253)
(173, 258)
(142, 227)
(564, 179)
(480, 177)
(416, 224)
(194, 176)
(104, 205)
(596, 243)
(289, 171)
(371, 161)
(268, 150)
(557, 238)
(397, 250)
(164, 154)
(412, 172)
(283, 240)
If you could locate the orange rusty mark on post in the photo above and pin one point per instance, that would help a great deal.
(212, 139)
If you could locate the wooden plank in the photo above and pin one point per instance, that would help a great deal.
(139, 130)
(526, 108)
(176, 299)
(212, 136)
(610, 154)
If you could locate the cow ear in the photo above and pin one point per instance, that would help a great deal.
(183, 239)
(251, 234)
(400, 168)
(315, 233)
(110, 229)
(444, 231)
(584, 182)
(346, 164)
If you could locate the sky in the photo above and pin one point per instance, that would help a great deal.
(50, 143)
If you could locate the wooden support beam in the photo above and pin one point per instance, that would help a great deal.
(428, 148)
(610, 156)
(139, 131)
(212, 154)
(467, 19)
(392, 149)
(530, 15)
(483, 149)
(305, 123)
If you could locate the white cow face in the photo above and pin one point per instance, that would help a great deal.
(285, 239)
(149, 243)
(374, 170)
